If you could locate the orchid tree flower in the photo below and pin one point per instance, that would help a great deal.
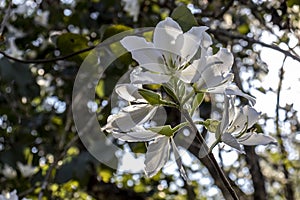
(168, 55)
(128, 125)
(27, 170)
(160, 142)
(131, 115)
(232, 129)
(132, 7)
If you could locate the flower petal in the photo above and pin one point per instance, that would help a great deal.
(206, 40)
(138, 135)
(234, 90)
(192, 73)
(157, 155)
(130, 117)
(187, 44)
(178, 160)
(227, 138)
(225, 119)
(252, 115)
(165, 34)
(129, 92)
(253, 138)
(144, 53)
(139, 77)
(223, 61)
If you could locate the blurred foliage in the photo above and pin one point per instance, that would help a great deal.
(36, 126)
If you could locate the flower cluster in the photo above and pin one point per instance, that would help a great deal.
(185, 70)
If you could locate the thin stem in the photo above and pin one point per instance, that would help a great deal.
(288, 187)
(38, 61)
(210, 155)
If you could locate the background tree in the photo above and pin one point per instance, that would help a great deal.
(43, 44)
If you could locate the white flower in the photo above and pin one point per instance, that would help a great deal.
(132, 7)
(42, 18)
(128, 125)
(210, 73)
(9, 195)
(9, 172)
(234, 124)
(169, 55)
(131, 115)
(26, 170)
(158, 150)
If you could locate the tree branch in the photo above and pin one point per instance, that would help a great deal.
(210, 157)
(289, 193)
(252, 159)
(253, 41)
(38, 61)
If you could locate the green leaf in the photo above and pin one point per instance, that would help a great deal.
(167, 130)
(171, 93)
(154, 99)
(69, 43)
(100, 91)
(163, 130)
(291, 3)
(198, 99)
(114, 29)
(211, 125)
(184, 17)
(243, 29)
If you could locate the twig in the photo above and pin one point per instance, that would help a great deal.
(59, 157)
(5, 18)
(289, 193)
(253, 41)
(37, 61)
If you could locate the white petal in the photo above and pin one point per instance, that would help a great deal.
(129, 92)
(227, 138)
(144, 52)
(238, 122)
(139, 135)
(252, 115)
(148, 78)
(187, 44)
(253, 138)
(157, 155)
(234, 90)
(178, 160)
(165, 34)
(192, 73)
(206, 40)
(131, 116)
(223, 61)
(225, 119)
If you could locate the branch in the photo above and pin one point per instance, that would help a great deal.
(252, 159)
(210, 156)
(61, 155)
(253, 41)
(38, 61)
(289, 193)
